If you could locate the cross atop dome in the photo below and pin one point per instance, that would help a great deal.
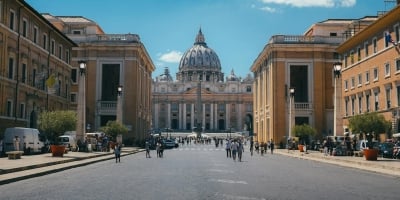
(200, 40)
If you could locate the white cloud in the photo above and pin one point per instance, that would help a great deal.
(268, 9)
(171, 56)
(312, 3)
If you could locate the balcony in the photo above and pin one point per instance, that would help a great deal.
(107, 107)
(301, 39)
(303, 106)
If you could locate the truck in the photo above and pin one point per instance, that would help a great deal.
(30, 140)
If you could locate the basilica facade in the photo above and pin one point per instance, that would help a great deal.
(201, 96)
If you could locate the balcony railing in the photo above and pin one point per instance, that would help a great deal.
(107, 107)
(123, 38)
(303, 106)
(297, 39)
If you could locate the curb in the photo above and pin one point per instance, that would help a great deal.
(19, 178)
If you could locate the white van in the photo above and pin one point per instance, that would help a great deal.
(69, 141)
(29, 140)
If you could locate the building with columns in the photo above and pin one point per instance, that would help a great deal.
(371, 70)
(225, 105)
(303, 63)
(112, 61)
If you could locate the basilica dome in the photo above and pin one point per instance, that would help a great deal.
(200, 62)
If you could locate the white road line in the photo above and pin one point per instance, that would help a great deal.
(228, 181)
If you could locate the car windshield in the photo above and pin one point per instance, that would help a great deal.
(64, 139)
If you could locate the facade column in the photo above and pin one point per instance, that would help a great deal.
(203, 121)
(240, 115)
(184, 116)
(156, 115)
(211, 116)
(169, 115)
(227, 116)
(180, 116)
(192, 116)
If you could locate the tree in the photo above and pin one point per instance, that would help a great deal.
(114, 128)
(304, 132)
(56, 123)
(369, 124)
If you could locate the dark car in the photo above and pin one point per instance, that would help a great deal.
(386, 149)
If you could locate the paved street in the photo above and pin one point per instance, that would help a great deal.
(204, 172)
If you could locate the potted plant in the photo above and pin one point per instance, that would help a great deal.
(369, 123)
(54, 124)
(114, 130)
(304, 133)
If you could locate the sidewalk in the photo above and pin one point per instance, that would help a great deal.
(382, 165)
(39, 165)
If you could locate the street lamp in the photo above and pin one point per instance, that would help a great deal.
(119, 104)
(291, 93)
(81, 110)
(336, 73)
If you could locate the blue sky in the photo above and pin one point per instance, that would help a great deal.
(237, 30)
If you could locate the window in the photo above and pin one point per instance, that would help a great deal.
(9, 108)
(34, 77)
(375, 74)
(359, 104)
(396, 33)
(367, 102)
(44, 41)
(366, 77)
(358, 53)
(352, 82)
(346, 107)
(387, 69)
(60, 51)
(352, 106)
(24, 28)
(376, 101)
(67, 58)
(73, 98)
(249, 108)
(359, 80)
(74, 75)
(345, 61)
(398, 95)
(52, 47)
(233, 108)
(375, 47)
(388, 103)
(397, 65)
(11, 68)
(248, 89)
(346, 85)
(23, 77)
(35, 34)
(352, 57)
(221, 107)
(11, 21)
(366, 49)
(22, 110)
(76, 32)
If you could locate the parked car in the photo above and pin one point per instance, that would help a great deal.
(69, 142)
(169, 144)
(386, 149)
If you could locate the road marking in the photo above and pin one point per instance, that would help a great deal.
(236, 197)
(228, 181)
(220, 170)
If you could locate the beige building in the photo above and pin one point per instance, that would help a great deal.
(35, 65)
(305, 64)
(226, 105)
(112, 60)
(371, 70)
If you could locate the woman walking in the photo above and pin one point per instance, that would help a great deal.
(117, 152)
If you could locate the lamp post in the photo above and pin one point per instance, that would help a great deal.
(291, 98)
(81, 110)
(336, 73)
(119, 104)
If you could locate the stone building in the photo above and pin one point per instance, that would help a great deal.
(35, 65)
(226, 105)
(303, 63)
(371, 70)
(112, 61)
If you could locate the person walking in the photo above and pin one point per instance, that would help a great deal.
(228, 149)
(234, 148)
(147, 146)
(117, 152)
(272, 146)
(240, 151)
(16, 143)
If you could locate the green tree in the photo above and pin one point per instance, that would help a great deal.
(304, 132)
(369, 123)
(114, 128)
(56, 123)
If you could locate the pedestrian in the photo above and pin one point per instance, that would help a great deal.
(147, 146)
(228, 149)
(234, 149)
(16, 143)
(272, 146)
(158, 145)
(1, 148)
(117, 152)
(325, 145)
(251, 147)
(240, 151)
